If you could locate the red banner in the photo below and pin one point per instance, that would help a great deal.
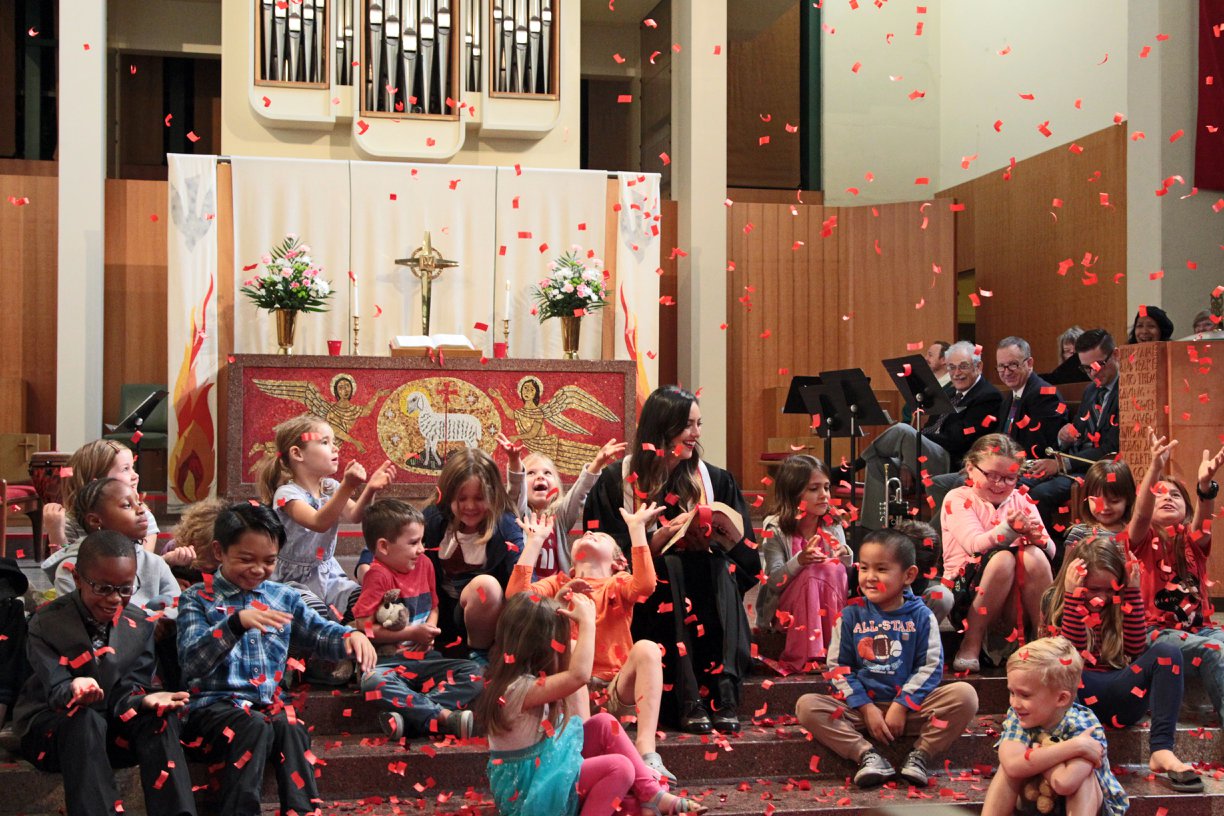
(413, 412)
(1209, 137)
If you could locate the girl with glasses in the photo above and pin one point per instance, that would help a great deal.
(997, 553)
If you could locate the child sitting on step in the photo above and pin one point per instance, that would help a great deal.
(1050, 738)
(535, 487)
(419, 690)
(631, 672)
(885, 662)
(805, 557)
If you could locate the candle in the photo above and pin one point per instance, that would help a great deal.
(506, 312)
(353, 299)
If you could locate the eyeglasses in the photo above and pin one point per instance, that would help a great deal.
(1093, 368)
(965, 367)
(1010, 368)
(1008, 479)
(106, 590)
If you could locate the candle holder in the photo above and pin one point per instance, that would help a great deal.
(502, 350)
(356, 344)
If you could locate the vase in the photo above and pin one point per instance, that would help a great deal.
(571, 327)
(286, 326)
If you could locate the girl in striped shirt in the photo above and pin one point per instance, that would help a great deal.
(1096, 604)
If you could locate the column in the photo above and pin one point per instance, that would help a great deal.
(81, 244)
(699, 183)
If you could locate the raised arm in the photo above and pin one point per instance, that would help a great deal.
(382, 476)
(1206, 474)
(1145, 499)
(578, 673)
(327, 516)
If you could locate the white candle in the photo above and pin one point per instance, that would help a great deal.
(506, 312)
(353, 300)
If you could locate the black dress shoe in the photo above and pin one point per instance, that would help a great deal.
(726, 721)
(694, 719)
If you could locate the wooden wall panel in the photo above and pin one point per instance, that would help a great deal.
(135, 325)
(1015, 238)
(888, 261)
(826, 303)
(28, 254)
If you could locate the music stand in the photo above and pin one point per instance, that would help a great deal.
(919, 387)
(136, 419)
(1068, 372)
(795, 402)
(854, 404)
(816, 402)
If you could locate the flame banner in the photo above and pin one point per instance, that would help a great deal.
(191, 348)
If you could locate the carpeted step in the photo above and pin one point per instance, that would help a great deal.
(357, 767)
(804, 797)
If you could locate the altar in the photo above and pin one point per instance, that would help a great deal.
(414, 411)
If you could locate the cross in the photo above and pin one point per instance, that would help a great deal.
(447, 390)
(426, 264)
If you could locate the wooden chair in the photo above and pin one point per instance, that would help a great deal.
(20, 500)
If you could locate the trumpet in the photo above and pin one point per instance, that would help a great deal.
(894, 497)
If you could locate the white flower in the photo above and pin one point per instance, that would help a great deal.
(321, 286)
(567, 288)
(584, 290)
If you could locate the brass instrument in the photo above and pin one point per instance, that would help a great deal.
(893, 503)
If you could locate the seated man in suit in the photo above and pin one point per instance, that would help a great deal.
(1031, 412)
(1092, 432)
(944, 440)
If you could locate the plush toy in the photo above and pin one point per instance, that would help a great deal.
(1037, 797)
(391, 614)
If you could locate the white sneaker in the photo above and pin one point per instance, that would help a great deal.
(392, 724)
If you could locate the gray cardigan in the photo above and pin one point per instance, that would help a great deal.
(780, 566)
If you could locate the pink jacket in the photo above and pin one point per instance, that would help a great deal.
(972, 526)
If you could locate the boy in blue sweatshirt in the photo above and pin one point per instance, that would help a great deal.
(885, 663)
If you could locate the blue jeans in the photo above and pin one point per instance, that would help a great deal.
(421, 689)
(1116, 703)
(1207, 644)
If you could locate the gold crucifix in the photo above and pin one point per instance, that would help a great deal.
(426, 264)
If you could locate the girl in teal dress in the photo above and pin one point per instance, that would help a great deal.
(541, 758)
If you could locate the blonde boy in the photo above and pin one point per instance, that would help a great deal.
(1048, 735)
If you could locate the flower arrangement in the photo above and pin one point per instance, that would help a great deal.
(575, 286)
(291, 282)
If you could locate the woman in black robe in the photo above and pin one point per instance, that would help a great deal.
(697, 610)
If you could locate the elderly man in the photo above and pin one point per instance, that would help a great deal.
(944, 440)
(1031, 412)
(1092, 432)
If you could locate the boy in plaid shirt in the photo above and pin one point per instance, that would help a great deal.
(234, 636)
(1050, 738)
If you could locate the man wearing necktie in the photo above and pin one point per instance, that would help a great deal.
(1092, 432)
(944, 440)
(1031, 412)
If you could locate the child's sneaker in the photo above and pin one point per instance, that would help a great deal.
(914, 769)
(460, 724)
(873, 770)
(392, 723)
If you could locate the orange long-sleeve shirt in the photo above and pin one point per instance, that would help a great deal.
(614, 599)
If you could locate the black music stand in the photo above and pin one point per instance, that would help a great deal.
(853, 403)
(135, 420)
(795, 402)
(817, 402)
(1068, 372)
(920, 388)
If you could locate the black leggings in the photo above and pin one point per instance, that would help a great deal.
(1116, 703)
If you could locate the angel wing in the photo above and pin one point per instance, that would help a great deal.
(571, 396)
(298, 391)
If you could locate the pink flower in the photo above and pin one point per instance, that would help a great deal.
(295, 285)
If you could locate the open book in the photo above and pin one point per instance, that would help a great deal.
(716, 523)
(420, 345)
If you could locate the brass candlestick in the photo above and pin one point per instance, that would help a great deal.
(356, 345)
(506, 334)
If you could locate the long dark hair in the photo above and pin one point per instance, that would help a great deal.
(790, 483)
(665, 415)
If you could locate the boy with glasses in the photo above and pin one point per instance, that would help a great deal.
(89, 697)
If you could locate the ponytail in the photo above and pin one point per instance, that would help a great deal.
(274, 471)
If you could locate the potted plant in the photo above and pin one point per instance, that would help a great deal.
(291, 283)
(577, 285)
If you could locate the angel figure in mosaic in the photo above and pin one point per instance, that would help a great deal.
(342, 413)
(533, 417)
